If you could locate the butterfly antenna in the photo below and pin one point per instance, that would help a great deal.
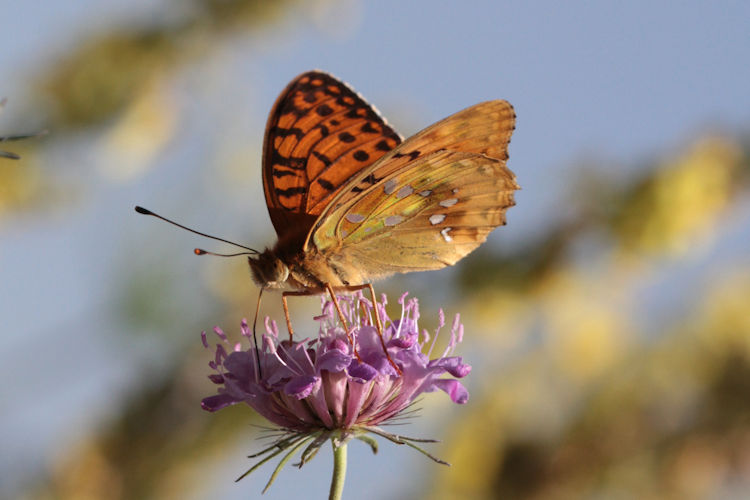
(198, 251)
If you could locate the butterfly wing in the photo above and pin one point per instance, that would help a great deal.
(427, 203)
(319, 134)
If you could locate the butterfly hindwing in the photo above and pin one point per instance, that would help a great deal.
(319, 134)
(427, 203)
(420, 222)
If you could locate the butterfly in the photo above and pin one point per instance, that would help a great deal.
(352, 202)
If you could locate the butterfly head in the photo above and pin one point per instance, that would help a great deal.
(268, 270)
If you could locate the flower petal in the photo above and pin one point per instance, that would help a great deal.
(453, 365)
(454, 389)
(217, 402)
(361, 372)
(240, 364)
(333, 361)
(302, 386)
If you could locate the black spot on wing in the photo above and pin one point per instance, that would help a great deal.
(323, 158)
(370, 179)
(323, 130)
(383, 146)
(292, 162)
(282, 173)
(360, 155)
(367, 128)
(286, 132)
(413, 155)
(289, 192)
(324, 110)
(326, 185)
(290, 107)
(356, 113)
(346, 137)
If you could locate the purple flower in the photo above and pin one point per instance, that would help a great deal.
(323, 384)
(337, 386)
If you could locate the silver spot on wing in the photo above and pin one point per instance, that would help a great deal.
(404, 192)
(392, 220)
(437, 219)
(355, 218)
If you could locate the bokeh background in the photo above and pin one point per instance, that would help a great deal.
(608, 323)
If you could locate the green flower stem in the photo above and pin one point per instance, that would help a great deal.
(339, 471)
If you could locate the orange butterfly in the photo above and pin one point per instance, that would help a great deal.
(352, 203)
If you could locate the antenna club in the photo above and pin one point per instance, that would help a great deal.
(199, 251)
(143, 211)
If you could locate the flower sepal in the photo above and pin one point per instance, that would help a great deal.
(308, 445)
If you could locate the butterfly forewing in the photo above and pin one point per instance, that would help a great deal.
(320, 133)
(429, 202)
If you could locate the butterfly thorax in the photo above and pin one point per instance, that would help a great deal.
(287, 268)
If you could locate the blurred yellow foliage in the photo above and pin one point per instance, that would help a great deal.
(726, 313)
(91, 477)
(141, 132)
(674, 211)
(20, 186)
(587, 333)
(100, 78)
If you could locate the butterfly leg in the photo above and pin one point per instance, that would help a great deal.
(317, 291)
(335, 300)
(380, 328)
(379, 324)
(255, 338)
(301, 293)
